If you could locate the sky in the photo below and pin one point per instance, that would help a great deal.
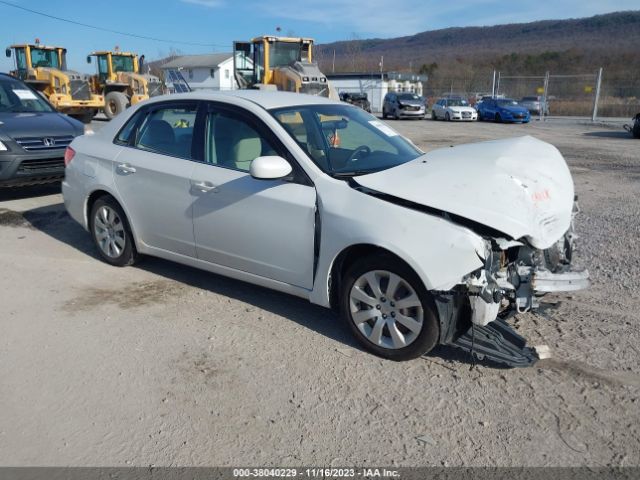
(204, 26)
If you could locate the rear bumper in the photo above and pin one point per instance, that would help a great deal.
(31, 169)
(74, 201)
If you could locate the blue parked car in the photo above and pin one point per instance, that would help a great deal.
(502, 110)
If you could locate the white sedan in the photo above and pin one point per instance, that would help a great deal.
(453, 109)
(322, 200)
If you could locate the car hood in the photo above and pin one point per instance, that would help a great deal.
(521, 187)
(413, 103)
(514, 109)
(42, 124)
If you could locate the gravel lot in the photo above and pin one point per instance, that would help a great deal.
(166, 365)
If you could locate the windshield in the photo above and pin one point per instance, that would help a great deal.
(16, 97)
(44, 58)
(122, 63)
(507, 102)
(283, 53)
(345, 141)
(457, 102)
(408, 96)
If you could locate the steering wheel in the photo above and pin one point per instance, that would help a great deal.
(354, 156)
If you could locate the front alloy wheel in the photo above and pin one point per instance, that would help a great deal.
(387, 308)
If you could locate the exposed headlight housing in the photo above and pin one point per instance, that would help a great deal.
(3, 147)
(88, 130)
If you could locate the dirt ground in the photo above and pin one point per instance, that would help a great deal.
(161, 364)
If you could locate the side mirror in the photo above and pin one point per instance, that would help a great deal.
(88, 58)
(270, 168)
(7, 52)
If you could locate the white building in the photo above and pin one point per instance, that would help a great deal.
(213, 71)
(377, 85)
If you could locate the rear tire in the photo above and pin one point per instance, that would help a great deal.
(392, 331)
(114, 104)
(111, 233)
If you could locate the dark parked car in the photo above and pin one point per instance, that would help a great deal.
(358, 99)
(400, 105)
(635, 128)
(33, 136)
(502, 110)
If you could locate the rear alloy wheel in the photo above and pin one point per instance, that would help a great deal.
(388, 309)
(111, 233)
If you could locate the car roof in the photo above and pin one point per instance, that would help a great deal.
(266, 99)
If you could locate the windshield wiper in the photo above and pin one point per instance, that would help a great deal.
(352, 173)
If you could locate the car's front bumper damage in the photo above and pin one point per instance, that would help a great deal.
(514, 278)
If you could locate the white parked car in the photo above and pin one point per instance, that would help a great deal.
(322, 200)
(453, 109)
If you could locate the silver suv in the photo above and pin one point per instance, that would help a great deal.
(534, 105)
(399, 105)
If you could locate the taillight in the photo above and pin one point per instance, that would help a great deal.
(69, 153)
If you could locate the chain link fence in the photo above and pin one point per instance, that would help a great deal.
(592, 95)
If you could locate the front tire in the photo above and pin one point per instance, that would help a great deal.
(433, 115)
(114, 104)
(447, 117)
(388, 309)
(111, 233)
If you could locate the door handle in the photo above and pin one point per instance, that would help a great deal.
(204, 187)
(126, 168)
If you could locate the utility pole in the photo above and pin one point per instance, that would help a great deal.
(493, 85)
(333, 66)
(597, 97)
(545, 96)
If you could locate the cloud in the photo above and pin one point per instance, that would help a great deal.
(205, 3)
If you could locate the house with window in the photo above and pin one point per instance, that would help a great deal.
(211, 71)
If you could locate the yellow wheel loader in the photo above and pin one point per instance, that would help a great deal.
(120, 82)
(45, 69)
(279, 63)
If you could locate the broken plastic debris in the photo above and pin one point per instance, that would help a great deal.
(543, 351)
(426, 439)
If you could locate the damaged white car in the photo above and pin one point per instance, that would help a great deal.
(322, 200)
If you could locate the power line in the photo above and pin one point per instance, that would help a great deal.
(143, 37)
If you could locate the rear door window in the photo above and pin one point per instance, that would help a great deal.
(168, 130)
